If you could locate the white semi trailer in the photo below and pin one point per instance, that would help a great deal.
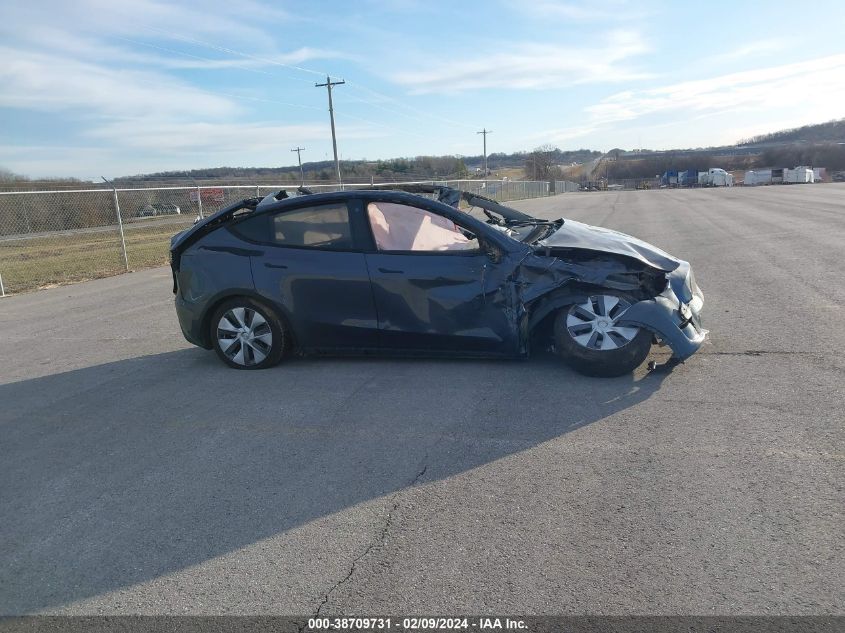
(715, 177)
(798, 175)
(758, 177)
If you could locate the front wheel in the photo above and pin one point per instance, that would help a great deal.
(590, 340)
(247, 335)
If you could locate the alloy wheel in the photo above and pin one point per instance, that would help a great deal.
(244, 336)
(594, 323)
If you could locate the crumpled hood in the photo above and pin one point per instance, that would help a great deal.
(595, 238)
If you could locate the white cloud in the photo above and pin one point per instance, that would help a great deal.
(751, 49)
(91, 49)
(52, 83)
(217, 19)
(803, 84)
(738, 105)
(532, 66)
(104, 69)
(217, 138)
(562, 135)
(575, 11)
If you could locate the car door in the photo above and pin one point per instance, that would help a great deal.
(309, 263)
(436, 289)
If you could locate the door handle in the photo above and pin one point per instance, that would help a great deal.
(390, 270)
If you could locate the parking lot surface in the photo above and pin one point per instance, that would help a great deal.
(140, 475)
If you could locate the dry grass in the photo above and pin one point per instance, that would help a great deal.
(512, 173)
(59, 259)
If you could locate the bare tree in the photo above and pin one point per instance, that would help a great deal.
(540, 163)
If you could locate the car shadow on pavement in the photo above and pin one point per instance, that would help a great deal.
(121, 473)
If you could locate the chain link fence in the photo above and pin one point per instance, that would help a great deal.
(49, 238)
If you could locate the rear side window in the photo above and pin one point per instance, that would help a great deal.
(315, 227)
(324, 226)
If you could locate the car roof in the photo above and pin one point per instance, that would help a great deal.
(271, 203)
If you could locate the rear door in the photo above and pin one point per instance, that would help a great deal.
(435, 288)
(309, 263)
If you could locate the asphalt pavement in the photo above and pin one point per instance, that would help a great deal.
(140, 475)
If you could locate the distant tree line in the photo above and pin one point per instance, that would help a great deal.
(418, 167)
(828, 155)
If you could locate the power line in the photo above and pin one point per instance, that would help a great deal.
(218, 93)
(265, 60)
(344, 115)
(230, 51)
(298, 151)
(417, 111)
(274, 62)
(328, 85)
(197, 57)
(485, 132)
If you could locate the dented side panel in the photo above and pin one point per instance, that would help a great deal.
(440, 302)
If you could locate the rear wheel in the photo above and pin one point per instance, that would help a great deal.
(247, 334)
(589, 338)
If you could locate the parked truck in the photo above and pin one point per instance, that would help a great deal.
(715, 177)
(688, 178)
(669, 178)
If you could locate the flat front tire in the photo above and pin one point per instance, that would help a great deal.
(247, 334)
(590, 339)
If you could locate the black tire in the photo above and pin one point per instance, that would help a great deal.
(255, 342)
(606, 363)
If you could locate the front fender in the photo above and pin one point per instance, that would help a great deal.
(663, 315)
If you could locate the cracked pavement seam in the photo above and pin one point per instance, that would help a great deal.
(378, 542)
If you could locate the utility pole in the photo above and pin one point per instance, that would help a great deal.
(329, 84)
(298, 151)
(485, 132)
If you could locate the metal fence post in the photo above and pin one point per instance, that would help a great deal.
(199, 200)
(119, 224)
(2, 288)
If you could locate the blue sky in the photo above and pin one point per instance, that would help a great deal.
(108, 87)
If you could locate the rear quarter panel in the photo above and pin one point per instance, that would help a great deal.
(216, 267)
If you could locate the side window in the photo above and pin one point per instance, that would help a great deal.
(256, 229)
(399, 227)
(325, 226)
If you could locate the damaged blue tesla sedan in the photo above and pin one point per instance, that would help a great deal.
(406, 272)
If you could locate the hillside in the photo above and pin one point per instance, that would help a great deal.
(830, 132)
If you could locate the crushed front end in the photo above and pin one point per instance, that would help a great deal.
(674, 316)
